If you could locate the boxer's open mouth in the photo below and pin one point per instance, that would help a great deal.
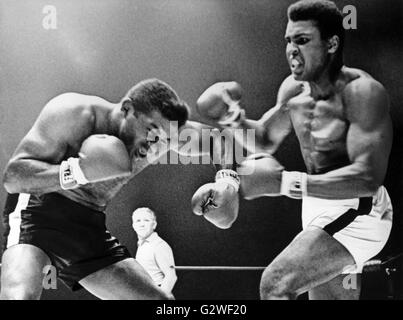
(296, 65)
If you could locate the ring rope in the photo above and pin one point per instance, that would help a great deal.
(229, 268)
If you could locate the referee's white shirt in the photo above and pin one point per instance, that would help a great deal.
(155, 255)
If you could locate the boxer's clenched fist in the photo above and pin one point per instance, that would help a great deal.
(101, 157)
(219, 104)
(218, 202)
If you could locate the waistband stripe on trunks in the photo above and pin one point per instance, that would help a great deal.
(364, 208)
(15, 219)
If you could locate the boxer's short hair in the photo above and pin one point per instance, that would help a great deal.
(328, 18)
(155, 95)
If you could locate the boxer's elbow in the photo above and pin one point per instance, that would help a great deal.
(262, 135)
(373, 185)
(10, 184)
(266, 143)
(11, 178)
(370, 182)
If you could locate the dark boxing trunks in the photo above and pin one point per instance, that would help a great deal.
(73, 236)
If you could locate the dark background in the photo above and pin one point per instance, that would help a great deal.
(103, 47)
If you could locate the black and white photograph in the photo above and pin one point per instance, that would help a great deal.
(201, 150)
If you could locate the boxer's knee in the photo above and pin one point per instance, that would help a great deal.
(19, 292)
(15, 286)
(275, 284)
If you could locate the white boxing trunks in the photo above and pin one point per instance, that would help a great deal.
(362, 225)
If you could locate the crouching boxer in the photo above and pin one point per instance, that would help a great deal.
(79, 153)
(341, 118)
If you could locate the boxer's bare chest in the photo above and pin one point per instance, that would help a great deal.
(321, 127)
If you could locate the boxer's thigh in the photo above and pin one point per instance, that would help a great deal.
(22, 272)
(123, 280)
(342, 287)
(312, 258)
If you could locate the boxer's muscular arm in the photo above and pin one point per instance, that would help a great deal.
(275, 124)
(34, 166)
(192, 139)
(205, 141)
(270, 131)
(217, 202)
(369, 141)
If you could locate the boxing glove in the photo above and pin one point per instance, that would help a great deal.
(262, 175)
(218, 202)
(101, 157)
(219, 104)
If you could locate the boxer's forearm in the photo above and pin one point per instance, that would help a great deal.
(222, 153)
(248, 128)
(198, 140)
(259, 131)
(31, 176)
(271, 129)
(353, 181)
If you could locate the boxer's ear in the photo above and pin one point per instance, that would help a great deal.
(333, 44)
(127, 107)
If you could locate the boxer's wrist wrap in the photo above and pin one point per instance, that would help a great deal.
(294, 184)
(228, 176)
(71, 175)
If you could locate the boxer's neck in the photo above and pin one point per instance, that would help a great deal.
(108, 118)
(325, 85)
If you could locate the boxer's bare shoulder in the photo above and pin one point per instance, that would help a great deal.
(64, 122)
(70, 106)
(360, 88)
(71, 111)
